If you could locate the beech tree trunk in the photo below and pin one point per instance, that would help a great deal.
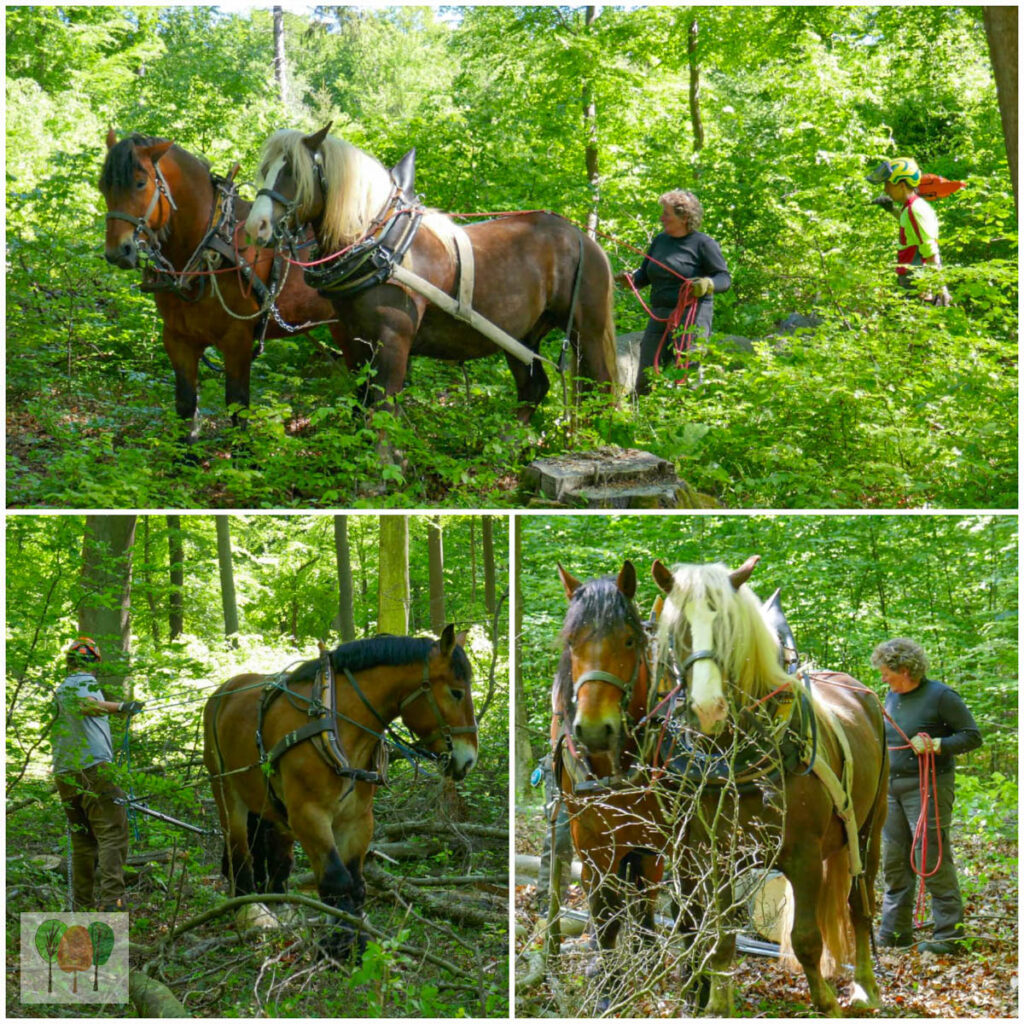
(346, 601)
(488, 545)
(393, 592)
(176, 564)
(695, 116)
(435, 552)
(523, 748)
(280, 67)
(590, 138)
(104, 611)
(227, 575)
(1001, 30)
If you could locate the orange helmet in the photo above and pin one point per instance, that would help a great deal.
(86, 649)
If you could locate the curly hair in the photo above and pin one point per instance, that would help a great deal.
(900, 654)
(686, 206)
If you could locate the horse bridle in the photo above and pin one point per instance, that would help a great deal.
(443, 730)
(282, 230)
(141, 224)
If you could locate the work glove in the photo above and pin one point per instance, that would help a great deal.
(130, 707)
(922, 743)
(885, 202)
(701, 286)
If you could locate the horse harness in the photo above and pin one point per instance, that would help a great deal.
(322, 728)
(216, 249)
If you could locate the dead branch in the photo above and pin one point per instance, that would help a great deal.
(153, 999)
(434, 905)
(434, 828)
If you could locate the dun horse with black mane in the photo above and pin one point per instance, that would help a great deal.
(300, 755)
(525, 274)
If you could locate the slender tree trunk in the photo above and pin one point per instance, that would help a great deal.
(488, 538)
(590, 137)
(435, 551)
(104, 610)
(227, 575)
(176, 561)
(346, 604)
(280, 66)
(472, 561)
(393, 595)
(1001, 30)
(523, 748)
(695, 116)
(147, 572)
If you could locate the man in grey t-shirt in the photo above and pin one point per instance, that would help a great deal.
(82, 756)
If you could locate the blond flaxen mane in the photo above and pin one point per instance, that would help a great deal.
(358, 188)
(746, 646)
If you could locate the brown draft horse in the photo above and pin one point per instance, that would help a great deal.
(281, 773)
(164, 201)
(736, 693)
(530, 271)
(599, 698)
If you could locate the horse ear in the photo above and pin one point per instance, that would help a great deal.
(740, 576)
(448, 640)
(316, 140)
(627, 580)
(658, 607)
(111, 138)
(569, 583)
(404, 175)
(156, 151)
(461, 638)
(663, 576)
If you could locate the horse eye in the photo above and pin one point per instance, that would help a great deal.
(140, 184)
(457, 695)
(630, 642)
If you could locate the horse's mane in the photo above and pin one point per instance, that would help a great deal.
(383, 650)
(745, 643)
(121, 164)
(358, 186)
(597, 606)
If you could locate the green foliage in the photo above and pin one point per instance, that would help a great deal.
(848, 582)
(888, 403)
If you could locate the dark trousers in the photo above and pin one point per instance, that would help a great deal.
(901, 883)
(99, 837)
(652, 339)
(563, 839)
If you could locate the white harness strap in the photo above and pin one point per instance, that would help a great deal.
(467, 270)
(840, 791)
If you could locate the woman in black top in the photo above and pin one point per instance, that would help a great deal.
(679, 251)
(937, 722)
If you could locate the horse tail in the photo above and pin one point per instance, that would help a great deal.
(833, 916)
(608, 347)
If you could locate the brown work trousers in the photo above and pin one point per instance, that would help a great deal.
(99, 837)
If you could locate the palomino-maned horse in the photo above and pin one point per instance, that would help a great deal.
(792, 754)
(599, 700)
(299, 756)
(164, 204)
(527, 274)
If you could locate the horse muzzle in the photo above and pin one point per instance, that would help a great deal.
(600, 736)
(712, 717)
(124, 255)
(460, 762)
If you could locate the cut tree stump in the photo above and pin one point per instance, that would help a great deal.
(610, 478)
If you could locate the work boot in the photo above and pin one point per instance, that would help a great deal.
(941, 947)
(886, 940)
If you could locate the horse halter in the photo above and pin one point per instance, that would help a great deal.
(443, 730)
(142, 225)
(626, 687)
(282, 230)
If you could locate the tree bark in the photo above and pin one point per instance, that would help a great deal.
(523, 747)
(280, 66)
(488, 545)
(435, 551)
(227, 575)
(393, 587)
(346, 603)
(104, 611)
(590, 137)
(176, 560)
(147, 571)
(695, 116)
(1001, 30)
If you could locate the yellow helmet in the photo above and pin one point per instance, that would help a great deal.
(904, 169)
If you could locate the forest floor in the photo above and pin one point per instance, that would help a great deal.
(222, 968)
(982, 983)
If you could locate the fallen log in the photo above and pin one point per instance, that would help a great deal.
(152, 999)
(435, 828)
(434, 904)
